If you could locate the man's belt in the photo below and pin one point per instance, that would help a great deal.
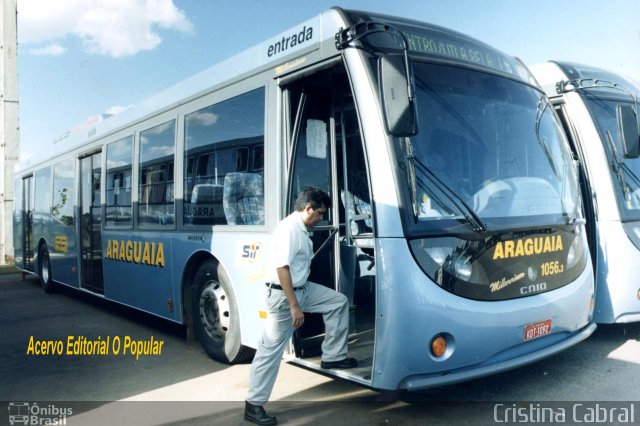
(279, 287)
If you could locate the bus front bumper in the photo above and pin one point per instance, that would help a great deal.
(419, 382)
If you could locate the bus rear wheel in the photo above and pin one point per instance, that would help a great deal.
(215, 315)
(46, 281)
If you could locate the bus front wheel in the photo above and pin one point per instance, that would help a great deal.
(215, 315)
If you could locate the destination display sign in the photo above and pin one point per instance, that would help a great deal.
(446, 45)
(432, 40)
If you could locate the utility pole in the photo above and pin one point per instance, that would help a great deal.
(9, 124)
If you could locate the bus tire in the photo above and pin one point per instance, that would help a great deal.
(46, 280)
(215, 315)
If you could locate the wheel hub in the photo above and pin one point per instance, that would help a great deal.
(215, 311)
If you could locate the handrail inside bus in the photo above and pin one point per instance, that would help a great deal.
(334, 229)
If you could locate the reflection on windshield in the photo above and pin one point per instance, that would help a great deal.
(625, 171)
(493, 145)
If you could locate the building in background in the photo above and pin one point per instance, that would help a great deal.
(9, 127)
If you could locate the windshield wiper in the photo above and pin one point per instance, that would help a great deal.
(579, 84)
(540, 109)
(468, 213)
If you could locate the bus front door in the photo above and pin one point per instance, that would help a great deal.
(91, 224)
(327, 152)
(27, 222)
(312, 165)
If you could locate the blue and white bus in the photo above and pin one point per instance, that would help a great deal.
(598, 110)
(456, 230)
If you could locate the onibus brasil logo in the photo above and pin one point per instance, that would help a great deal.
(28, 413)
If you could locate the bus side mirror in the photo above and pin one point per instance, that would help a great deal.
(398, 104)
(628, 130)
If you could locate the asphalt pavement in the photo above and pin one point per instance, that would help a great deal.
(176, 383)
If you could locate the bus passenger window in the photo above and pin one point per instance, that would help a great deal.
(63, 191)
(43, 191)
(155, 196)
(118, 202)
(223, 182)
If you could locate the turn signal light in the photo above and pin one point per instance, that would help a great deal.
(438, 346)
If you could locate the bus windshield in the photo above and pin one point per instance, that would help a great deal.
(625, 172)
(490, 152)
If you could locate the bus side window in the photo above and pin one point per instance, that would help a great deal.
(118, 202)
(43, 191)
(220, 188)
(155, 202)
(63, 192)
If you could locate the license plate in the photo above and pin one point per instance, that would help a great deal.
(537, 329)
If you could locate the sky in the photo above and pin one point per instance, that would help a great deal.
(81, 59)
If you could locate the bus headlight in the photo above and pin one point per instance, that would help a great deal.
(438, 254)
(575, 252)
(444, 259)
(571, 256)
(463, 268)
(433, 255)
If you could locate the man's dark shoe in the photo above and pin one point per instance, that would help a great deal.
(343, 363)
(256, 414)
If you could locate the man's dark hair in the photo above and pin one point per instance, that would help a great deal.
(316, 197)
